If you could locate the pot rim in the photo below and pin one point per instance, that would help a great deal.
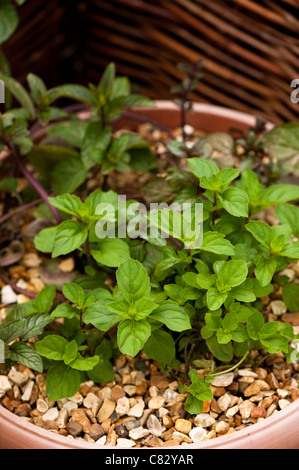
(275, 421)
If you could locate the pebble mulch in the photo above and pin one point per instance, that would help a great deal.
(143, 407)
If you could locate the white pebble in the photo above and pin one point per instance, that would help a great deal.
(121, 442)
(8, 296)
(197, 434)
(51, 414)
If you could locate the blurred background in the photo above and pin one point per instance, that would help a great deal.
(251, 47)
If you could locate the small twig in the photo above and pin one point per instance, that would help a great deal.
(35, 184)
(14, 287)
(231, 368)
(22, 208)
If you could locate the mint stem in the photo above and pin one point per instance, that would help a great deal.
(35, 184)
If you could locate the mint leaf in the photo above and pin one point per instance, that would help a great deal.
(172, 315)
(84, 363)
(265, 270)
(290, 296)
(44, 240)
(111, 252)
(69, 236)
(215, 299)
(133, 280)
(34, 325)
(289, 214)
(100, 316)
(233, 273)
(52, 347)
(160, 346)
(214, 242)
(132, 335)
(62, 381)
(234, 201)
(74, 293)
(102, 372)
(26, 355)
(68, 203)
(261, 231)
(70, 352)
(202, 168)
(64, 311)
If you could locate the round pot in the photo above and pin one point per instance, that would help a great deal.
(280, 431)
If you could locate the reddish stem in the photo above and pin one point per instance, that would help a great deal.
(34, 183)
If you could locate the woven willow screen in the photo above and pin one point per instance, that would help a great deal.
(251, 47)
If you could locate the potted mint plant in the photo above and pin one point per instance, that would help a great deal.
(189, 302)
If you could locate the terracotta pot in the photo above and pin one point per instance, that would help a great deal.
(280, 431)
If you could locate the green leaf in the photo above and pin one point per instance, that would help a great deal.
(280, 193)
(291, 250)
(205, 281)
(71, 131)
(62, 381)
(289, 214)
(235, 201)
(52, 347)
(290, 296)
(72, 91)
(201, 390)
(68, 203)
(261, 231)
(11, 330)
(160, 346)
(111, 252)
(69, 236)
(230, 321)
(223, 352)
(44, 240)
(107, 80)
(101, 316)
(34, 325)
(9, 184)
(215, 299)
(74, 293)
(68, 175)
(18, 91)
(283, 141)
(133, 280)
(202, 168)
(44, 299)
(233, 273)
(26, 355)
(213, 321)
(64, 311)
(8, 20)
(254, 323)
(214, 242)
(143, 308)
(172, 315)
(84, 363)
(70, 352)
(193, 405)
(275, 344)
(265, 270)
(132, 335)
(242, 294)
(223, 337)
(102, 373)
(220, 181)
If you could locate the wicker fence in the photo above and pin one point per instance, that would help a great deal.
(251, 47)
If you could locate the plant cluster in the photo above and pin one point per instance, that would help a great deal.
(184, 307)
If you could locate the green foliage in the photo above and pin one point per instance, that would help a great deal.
(176, 302)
